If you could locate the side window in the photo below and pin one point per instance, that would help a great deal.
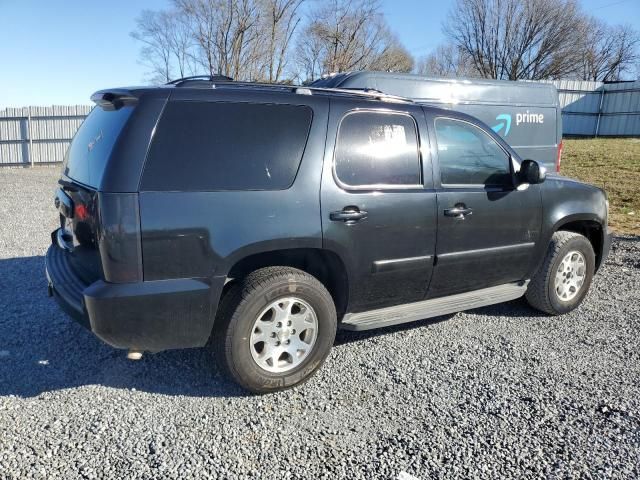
(468, 156)
(207, 146)
(376, 148)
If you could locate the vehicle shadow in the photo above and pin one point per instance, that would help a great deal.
(43, 350)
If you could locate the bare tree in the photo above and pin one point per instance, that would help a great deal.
(280, 21)
(393, 58)
(447, 60)
(226, 34)
(609, 51)
(515, 39)
(252, 39)
(243, 39)
(345, 35)
(181, 44)
(165, 43)
(309, 57)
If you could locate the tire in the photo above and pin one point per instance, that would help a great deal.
(250, 310)
(546, 291)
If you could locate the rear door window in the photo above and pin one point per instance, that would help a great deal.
(377, 149)
(209, 146)
(89, 152)
(469, 156)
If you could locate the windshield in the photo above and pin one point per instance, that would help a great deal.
(87, 156)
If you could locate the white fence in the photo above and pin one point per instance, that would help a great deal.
(41, 135)
(38, 135)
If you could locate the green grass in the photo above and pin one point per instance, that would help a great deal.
(615, 165)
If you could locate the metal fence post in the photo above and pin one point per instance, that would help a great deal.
(599, 111)
(30, 148)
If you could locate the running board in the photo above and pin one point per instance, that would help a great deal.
(434, 307)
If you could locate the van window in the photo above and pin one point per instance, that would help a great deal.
(469, 156)
(89, 152)
(207, 146)
(377, 149)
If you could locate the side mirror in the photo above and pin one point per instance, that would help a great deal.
(531, 172)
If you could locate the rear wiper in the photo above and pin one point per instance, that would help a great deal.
(66, 185)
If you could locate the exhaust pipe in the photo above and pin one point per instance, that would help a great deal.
(134, 355)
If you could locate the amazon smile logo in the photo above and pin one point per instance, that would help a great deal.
(521, 117)
(505, 122)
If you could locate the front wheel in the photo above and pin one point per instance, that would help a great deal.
(564, 278)
(275, 328)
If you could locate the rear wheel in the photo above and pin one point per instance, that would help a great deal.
(275, 328)
(565, 276)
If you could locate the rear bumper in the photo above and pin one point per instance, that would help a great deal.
(64, 286)
(151, 316)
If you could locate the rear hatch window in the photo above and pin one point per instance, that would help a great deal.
(87, 157)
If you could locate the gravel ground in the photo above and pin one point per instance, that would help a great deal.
(494, 392)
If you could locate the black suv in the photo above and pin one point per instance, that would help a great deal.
(260, 218)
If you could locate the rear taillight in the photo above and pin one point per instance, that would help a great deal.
(119, 239)
(81, 212)
(559, 157)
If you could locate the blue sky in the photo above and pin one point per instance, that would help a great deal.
(61, 51)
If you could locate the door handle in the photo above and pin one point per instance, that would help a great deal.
(459, 211)
(348, 215)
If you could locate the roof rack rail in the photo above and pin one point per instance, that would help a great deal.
(200, 78)
(227, 82)
(363, 92)
(364, 89)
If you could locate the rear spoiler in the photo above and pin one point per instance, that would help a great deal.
(113, 99)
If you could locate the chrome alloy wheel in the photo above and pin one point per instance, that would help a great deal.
(570, 275)
(283, 335)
